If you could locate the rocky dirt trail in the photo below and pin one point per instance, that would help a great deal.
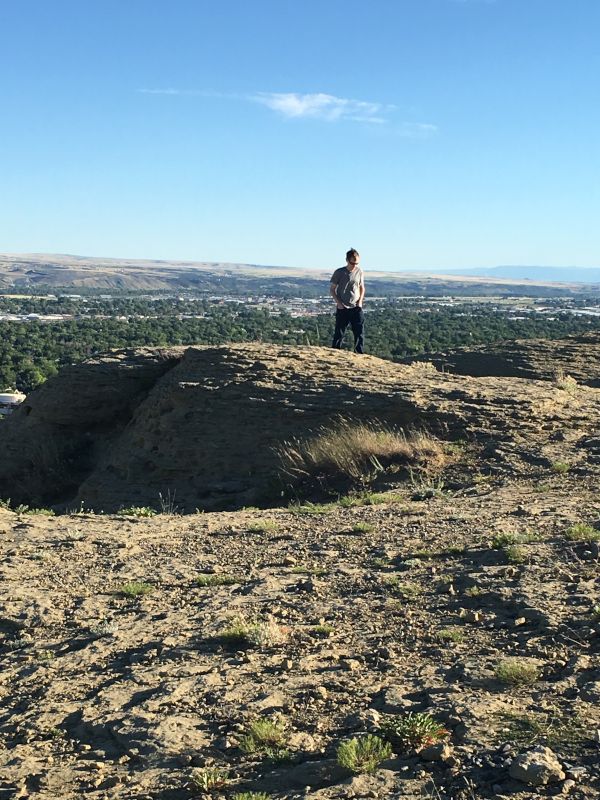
(137, 651)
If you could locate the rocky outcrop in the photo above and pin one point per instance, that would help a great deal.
(64, 428)
(540, 359)
(202, 424)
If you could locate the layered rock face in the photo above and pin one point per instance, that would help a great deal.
(578, 356)
(202, 425)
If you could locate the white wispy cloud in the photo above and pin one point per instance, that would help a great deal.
(416, 130)
(322, 106)
(318, 106)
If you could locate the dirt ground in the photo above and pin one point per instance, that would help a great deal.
(121, 676)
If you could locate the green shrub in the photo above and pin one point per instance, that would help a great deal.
(581, 532)
(363, 527)
(136, 589)
(413, 731)
(216, 579)
(450, 635)
(309, 509)
(407, 590)
(364, 754)
(242, 633)
(263, 526)
(515, 554)
(517, 672)
(209, 778)
(322, 630)
(267, 738)
(138, 511)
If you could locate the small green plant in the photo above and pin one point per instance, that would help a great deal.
(595, 612)
(216, 579)
(517, 672)
(408, 591)
(426, 487)
(45, 655)
(380, 562)
(309, 509)
(554, 728)
(42, 512)
(474, 591)
(363, 527)
(209, 778)
(167, 503)
(541, 488)
(267, 738)
(560, 467)
(581, 532)
(413, 731)
(5, 504)
(317, 572)
(244, 633)
(363, 754)
(137, 511)
(425, 553)
(322, 630)
(566, 382)
(135, 589)
(515, 554)
(450, 635)
(503, 540)
(263, 526)
(251, 796)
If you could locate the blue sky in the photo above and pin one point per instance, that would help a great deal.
(425, 133)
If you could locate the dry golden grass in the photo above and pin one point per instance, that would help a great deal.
(359, 452)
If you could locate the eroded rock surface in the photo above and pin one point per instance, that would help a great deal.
(203, 424)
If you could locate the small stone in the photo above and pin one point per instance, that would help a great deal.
(288, 664)
(471, 616)
(537, 767)
(567, 786)
(576, 773)
(519, 621)
(350, 664)
(441, 751)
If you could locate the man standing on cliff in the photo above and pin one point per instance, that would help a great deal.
(348, 290)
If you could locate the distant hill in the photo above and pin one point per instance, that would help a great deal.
(532, 273)
(38, 272)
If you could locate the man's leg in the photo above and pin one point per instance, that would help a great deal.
(358, 329)
(341, 323)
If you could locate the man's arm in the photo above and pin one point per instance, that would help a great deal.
(362, 295)
(333, 293)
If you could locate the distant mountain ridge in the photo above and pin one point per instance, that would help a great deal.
(531, 273)
(55, 272)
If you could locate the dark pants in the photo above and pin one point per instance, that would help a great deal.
(355, 318)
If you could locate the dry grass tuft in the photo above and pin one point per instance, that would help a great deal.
(358, 452)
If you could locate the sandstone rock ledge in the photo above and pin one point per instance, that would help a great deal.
(202, 424)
